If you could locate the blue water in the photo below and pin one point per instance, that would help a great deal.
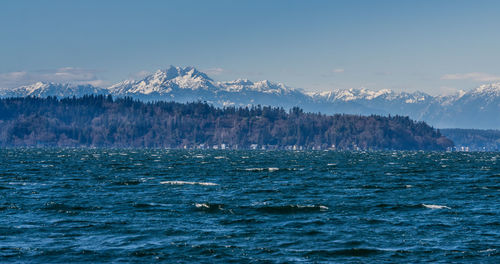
(107, 205)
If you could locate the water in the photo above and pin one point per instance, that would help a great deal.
(107, 205)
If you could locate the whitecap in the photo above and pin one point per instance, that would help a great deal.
(262, 169)
(323, 208)
(435, 206)
(17, 183)
(254, 169)
(320, 207)
(188, 183)
(201, 205)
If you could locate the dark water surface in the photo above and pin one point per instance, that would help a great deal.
(106, 205)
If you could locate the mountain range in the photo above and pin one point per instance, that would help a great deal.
(477, 108)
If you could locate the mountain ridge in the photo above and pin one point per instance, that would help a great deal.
(476, 108)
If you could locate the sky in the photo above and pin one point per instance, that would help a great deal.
(438, 47)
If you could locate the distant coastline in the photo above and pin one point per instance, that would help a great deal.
(473, 139)
(102, 121)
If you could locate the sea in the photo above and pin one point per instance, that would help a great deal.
(65, 205)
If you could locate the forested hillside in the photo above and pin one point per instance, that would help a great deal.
(101, 121)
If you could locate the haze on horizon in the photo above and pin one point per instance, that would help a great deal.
(430, 46)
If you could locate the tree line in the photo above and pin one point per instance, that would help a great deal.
(103, 121)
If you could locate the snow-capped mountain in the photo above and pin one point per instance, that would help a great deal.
(243, 92)
(189, 84)
(491, 90)
(244, 85)
(365, 94)
(164, 82)
(477, 108)
(175, 79)
(171, 84)
(43, 89)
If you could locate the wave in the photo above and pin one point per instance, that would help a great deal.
(262, 169)
(61, 207)
(292, 209)
(278, 209)
(148, 205)
(127, 182)
(409, 206)
(209, 207)
(398, 206)
(354, 252)
(435, 206)
(188, 183)
(488, 250)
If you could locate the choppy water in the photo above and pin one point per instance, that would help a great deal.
(86, 205)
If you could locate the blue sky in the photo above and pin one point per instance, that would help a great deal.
(432, 46)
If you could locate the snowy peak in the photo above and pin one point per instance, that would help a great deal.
(44, 89)
(485, 93)
(265, 86)
(173, 72)
(239, 82)
(271, 87)
(177, 74)
(352, 94)
(492, 89)
(33, 89)
(175, 79)
(165, 81)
